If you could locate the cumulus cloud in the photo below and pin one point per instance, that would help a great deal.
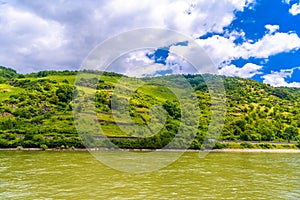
(247, 71)
(277, 78)
(295, 9)
(271, 45)
(27, 38)
(150, 70)
(132, 64)
(272, 28)
(223, 49)
(179, 65)
(61, 33)
(220, 48)
(140, 64)
(137, 64)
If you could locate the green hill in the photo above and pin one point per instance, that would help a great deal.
(7, 73)
(37, 109)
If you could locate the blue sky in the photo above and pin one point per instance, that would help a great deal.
(254, 39)
(253, 22)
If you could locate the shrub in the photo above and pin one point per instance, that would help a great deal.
(220, 145)
(255, 137)
(19, 148)
(265, 146)
(3, 143)
(247, 145)
(43, 147)
(234, 145)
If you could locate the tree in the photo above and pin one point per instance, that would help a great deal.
(65, 93)
(290, 132)
(173, 108)
(241, 123)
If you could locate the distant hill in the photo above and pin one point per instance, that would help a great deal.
(7, 73)
(36, 109)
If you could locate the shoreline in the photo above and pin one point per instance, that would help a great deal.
(225, 150)
(257, 150)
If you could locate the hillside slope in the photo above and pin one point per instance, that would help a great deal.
(37, 109)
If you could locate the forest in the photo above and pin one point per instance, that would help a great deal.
(38, 110)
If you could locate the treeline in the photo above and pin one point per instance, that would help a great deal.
(30, 140)
(7, 73)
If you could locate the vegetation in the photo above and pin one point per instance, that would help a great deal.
(37, 111)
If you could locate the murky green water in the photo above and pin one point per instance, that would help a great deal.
(77, 175)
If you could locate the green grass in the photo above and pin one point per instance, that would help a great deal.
(161, 93)
(112, 130)
(70, 78)
(7, 90)
(105, 116)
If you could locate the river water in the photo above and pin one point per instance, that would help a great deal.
(78, 175)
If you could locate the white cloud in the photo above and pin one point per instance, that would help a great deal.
(61, 33)
(137, 64)
(179, 65)
(27, 38)
(133, 64)
(295, 9)
(271, 45)
(247, 71)
(233, 35)
(23, 25)
(219, 48)
(272, 28)
(140, 57)
(192, 18)
(222, 50)
(277, 78)
(143, 71)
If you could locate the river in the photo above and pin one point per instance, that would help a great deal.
(78, 175)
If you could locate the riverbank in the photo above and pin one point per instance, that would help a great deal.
(162, 150)
(258, 150)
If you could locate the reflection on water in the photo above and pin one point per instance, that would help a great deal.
(77, 175)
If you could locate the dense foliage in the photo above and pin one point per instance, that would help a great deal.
(7, 73)
(37, 110)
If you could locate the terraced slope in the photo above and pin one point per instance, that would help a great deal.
(37, 109)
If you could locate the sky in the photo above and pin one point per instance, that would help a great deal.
(253, 39)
